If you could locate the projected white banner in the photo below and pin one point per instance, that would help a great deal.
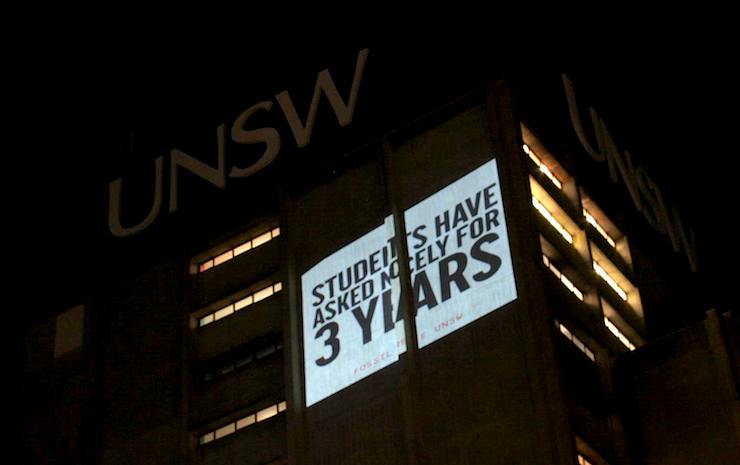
(460, 271)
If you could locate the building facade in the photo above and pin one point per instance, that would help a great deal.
(522, 319)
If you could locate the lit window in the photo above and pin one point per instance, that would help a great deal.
(239, 304)
(262, 294)
(206, 320)
(551, 219)
(251, 419)
(609, 280)
(255, 297)
(224, 257)
(238, 250)
(563, 279)
(542, 166)
(225, 430)
(246, 247)
(246, 421)
(575, 340)
(622, 338)
(207, 265)
(592, 221)
(206, 438)
(224, 312)
(266, 413)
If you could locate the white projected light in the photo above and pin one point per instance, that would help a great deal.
(460, 271)
(459, 251)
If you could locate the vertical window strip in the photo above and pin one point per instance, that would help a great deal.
(551, 219)
(619, 334)
(249, 420)
(246, 246)
(609, 280)
(575, 340)
(537, 161)
(563, 279)
(592, 221)
(255, 297)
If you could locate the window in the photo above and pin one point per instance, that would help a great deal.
(239, 249)
(249, 420)
(250, 299)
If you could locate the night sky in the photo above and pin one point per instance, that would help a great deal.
(665, 99)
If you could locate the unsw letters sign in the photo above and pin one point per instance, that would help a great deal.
(460, 271)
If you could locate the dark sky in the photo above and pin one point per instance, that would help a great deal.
(664, 96)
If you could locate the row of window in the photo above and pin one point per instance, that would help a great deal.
(544, 169)
(620, 335)
(552, 220)
(249, 420)
(245, 246)
(575, 340)
(609, 280)
(597, 226)
(243, 361)
(563, 279)
(253, 298)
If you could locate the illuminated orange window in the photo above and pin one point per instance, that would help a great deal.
(245, 246)
(229, 309)
(249, 420)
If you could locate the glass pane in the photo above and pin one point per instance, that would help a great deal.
(269, 412)
(225, 430)
(206, 438)
(206, 320)
(239, 304)
(262, 294)
(226, 256)
(261, 239)
(242, 248)
(246, 421)
(224, 312)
